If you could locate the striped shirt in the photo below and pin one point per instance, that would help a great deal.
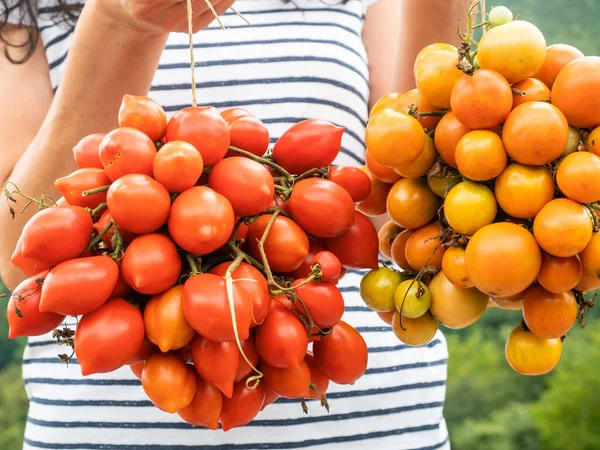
(288, 65)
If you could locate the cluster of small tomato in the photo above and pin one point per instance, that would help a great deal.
(208, 266)
(490, 173)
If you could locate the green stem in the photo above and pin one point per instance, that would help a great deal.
(191, 259)
(102, 233)
(322, 172)
(95, 191)
(264, 161)
(97, 209)
(117, 241)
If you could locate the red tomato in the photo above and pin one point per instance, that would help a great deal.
(270, 397)
(87, 151)
(282, 339)
(216, 362)
(103, 222)
(286, 245)
(248, 185)
(143, 353)
(206, 307)
(144, 114)
(108, 337)
(278, 203)
(321, 207)
(342, 355)
(72, 186)
(318, 379)
(355, 181)
(24, 317)
(205, 408)
(28, 266)
(151, 264)
(79, 286)
(138, 203)
(165, 322)
(201, 205)
(122, 289)
(323, 300)
(305, 268)
(359, 246)
(46, 239)
(309, 144)
(288, 382)
(169, 383)
(204, 128)
(232, 114)
(177, 166)
(243, 406)
(137, 369)
(254, 283)
(249, 133)
(330, 265)
(249, 348)
(126, 151)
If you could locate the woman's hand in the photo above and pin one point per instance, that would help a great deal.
(161, 16)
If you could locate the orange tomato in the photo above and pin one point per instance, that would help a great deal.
(415, 332)
(576, 92)
(502, 259)
(178, 166)
(411, 203)
(427, 50)
(522, 191)
(422, 164)
(590, 256)
(394, 138)
(379, 171)
(205, 408)
(480, 155)
(588, 282)
(398, 249)
(549, 315)
(448, 133)
(481, 100)
(386, 102)
(508, 305)
(424, 248)
(387, 316)
(469, 206)
(387, 234)
(578, 177)
(593, 141)
(557, 57)
(413, 97)
(563, 227)
(533, 91)
(436, 75)
(375, 204)
(454, 267)
(535, 133)
(558, 275)
(529, 354)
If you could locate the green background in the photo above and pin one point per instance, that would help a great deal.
(488, 405)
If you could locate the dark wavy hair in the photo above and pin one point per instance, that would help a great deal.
(63, 12)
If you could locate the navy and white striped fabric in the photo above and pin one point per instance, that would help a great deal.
(290, 64)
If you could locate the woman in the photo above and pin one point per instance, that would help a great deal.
(297, 60)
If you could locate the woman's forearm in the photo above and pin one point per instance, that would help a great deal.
(105, 62)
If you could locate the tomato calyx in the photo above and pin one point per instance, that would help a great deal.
(322, 396)
(584, 306)
(65, 336)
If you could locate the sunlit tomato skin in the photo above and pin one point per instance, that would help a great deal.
(535, 133)
(590, 256)
(177, 166)
(144, 114)
(428, 49)
(205, 408)
(578, 177)
(151, 264)
(382, 173)
(46, 239)
(529, 354)
(357, 248)
(424, 247)
(169, 383)
(502, 259)
(311, 197)
(247, 185)
(516, 50)
(286, 245)
(28, 266)
(72, 186)
(436, 75)
(557, 57)
(99, 350)
(394, 138)
(282, 339)
(126, 151)
(342, 355)
(201, 205)
(415, 332)
(531, 90)
(481, 100)
(204, 128)
(104, 222)
(522, 191)
(559, 275)
(24, 316)
(386, 234)
(375, 203)
(576, 92)
(165, 321)
(388, 101)
(470, 206)
(288, 382)
(308, 144)
(138, 203)
(448, 133)
(412, 298)
(549, 315)
(243, 406)
(323, 300)
(480, 155)
(454, 267)
(87, 151)
(232, 114)
(353, 180)
(399, 249)
(207, 310)
(563, 227)
(411, 204)
(79, 286)
(216, 362)
(249, 133)
(420, 166)
(317, 378)
(249, 348)
(254, 283)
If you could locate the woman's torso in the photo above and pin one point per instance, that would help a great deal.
(289, 65)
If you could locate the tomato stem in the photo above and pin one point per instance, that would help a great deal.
(320, 395)
(264, 161)
(96, 240)
(117, 243)
(9, 194)
(97, 209)
(322, 172)
(191, 259)
(95, 191)
(518, 92)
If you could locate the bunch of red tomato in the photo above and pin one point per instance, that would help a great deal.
(490, 173)
(202, 260)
